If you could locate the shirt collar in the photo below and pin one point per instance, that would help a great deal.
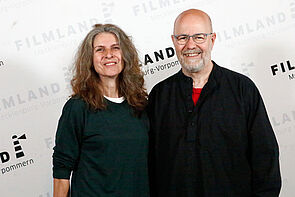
(213, 77)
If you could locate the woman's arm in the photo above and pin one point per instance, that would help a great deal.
(61, 187)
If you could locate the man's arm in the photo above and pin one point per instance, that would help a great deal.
(61, 187)
(264, 150)
(151, 153)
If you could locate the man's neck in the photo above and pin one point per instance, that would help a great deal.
(201, 77)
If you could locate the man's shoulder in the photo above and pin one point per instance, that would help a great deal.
(233, 76)
(166, 83)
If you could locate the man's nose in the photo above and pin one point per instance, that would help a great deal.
(190, 43)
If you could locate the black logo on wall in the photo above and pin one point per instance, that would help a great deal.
(17, 147)
(5, 156)
(158, 55)
(18, 154)
(1, 63)
(152, 61)
(282, 68)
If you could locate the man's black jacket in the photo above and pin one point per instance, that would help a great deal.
(222, 147)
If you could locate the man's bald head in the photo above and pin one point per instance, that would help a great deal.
(194, 55)
(192, 14)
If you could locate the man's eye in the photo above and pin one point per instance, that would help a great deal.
(99, 49)
(182, 37)
(199, 37)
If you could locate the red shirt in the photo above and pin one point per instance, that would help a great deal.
(196, 94)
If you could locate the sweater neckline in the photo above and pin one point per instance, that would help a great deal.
(115, 100)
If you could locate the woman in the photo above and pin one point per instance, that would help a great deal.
(102, 134)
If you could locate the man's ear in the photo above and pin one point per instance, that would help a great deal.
(213, 38)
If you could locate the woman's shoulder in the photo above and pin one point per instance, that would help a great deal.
(75, 103)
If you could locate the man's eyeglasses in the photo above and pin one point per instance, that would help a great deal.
(198, 38)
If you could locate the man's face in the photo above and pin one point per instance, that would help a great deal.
(192, 56)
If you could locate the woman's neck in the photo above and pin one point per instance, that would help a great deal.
(110, 87)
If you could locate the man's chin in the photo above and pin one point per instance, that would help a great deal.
(195, 67)
(192, 69)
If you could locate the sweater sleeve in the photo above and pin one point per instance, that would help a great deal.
(264, 150)
(68, 138)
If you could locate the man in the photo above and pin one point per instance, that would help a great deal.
(218, 145)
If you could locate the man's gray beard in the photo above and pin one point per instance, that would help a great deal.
(193, 68)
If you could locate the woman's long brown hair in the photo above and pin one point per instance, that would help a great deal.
(86, 83)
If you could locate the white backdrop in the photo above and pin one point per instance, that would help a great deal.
(39, 39)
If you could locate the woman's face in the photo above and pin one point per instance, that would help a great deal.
(107, 55)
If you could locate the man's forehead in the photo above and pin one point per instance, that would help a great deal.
(191, 27)
(192, 22)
